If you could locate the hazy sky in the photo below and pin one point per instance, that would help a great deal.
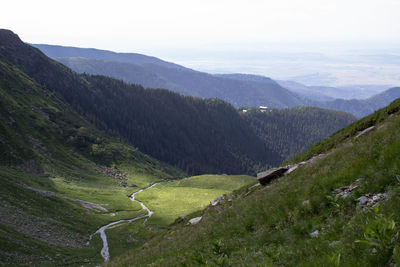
(150, 25)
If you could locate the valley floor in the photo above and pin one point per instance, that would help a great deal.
(49, 220)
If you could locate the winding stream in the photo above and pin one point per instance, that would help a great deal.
(104, 251)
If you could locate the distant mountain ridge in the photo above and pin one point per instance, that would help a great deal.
(357, 107)
(241, 90)
(158, 74)
(361, 108)
(311, 92)
(56, 51)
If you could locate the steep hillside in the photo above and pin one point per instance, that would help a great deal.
(182, 80)
(339, 209)
(60, 177)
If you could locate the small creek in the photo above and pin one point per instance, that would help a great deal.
(104, 251)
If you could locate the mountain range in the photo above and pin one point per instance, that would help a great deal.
(182, 80)
(241, 90)
(78, 150)
(170, 127)
(357, 107)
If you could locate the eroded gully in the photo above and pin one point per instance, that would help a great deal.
(104, 251)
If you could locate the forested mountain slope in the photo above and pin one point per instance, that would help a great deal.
(199, 136)
(288, 131)
(168, 126)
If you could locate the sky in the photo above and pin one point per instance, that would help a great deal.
(157, 25)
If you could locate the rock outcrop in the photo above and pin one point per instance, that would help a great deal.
(267, 176)
(195, 220)
(370, 200)
(365, 131)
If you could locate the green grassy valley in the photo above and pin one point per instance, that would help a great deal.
(93, 169)
(302, 219)
(175, 199)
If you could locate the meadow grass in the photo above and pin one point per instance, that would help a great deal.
(172, 200)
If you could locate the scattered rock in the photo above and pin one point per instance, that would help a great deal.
(314, 234)
(365, 131)
(31, 166)
(253, 186)
(40, 228)
(362, 200)
(292, 168)
(315, 158)
(218, 200)
(345, 191)
(305, 202)
(370, 200)
(195, 220)
(132, 185)
(272, 174)
(113, 173)
(44, 193)
(181, 220)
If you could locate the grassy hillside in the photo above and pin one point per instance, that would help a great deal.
(302, 219)
(60, 177)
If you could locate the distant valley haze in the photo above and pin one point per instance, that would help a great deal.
(349, 44)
